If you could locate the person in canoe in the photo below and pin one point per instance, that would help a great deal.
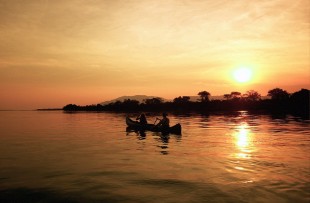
(164, 122)
(142, 119)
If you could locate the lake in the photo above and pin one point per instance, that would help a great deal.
(52, 156)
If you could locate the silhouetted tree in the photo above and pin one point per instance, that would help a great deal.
(131, 102)
(252, 95)
(71, 107)
(181, 100)
(153, 101)
(204, 96)
(278, 94)
(300, 102)
(227, 96)
(235, 95)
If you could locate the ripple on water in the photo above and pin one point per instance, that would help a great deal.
(89, 157)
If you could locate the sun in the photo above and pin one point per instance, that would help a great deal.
(242, 75)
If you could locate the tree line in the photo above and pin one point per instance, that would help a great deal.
(279, 101)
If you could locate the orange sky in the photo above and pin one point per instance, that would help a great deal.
(85, 51)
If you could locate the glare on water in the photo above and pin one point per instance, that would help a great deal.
(82, 157)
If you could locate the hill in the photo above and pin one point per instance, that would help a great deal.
(139, 98)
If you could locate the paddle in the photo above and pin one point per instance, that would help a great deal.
(156, 120)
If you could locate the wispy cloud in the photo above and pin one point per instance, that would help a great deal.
(105, 43)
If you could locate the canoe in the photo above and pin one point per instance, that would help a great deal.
(176, 129)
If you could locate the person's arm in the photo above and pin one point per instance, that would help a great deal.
(160, 122)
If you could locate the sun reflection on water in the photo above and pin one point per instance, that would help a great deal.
(243, 141)
(242, 138)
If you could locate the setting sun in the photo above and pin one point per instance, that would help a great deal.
(95, 51)
(242, 75)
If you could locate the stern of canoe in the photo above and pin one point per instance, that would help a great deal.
(176, 129)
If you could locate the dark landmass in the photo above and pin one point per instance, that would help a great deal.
(280, 102)
(139, 98)
(142, 98)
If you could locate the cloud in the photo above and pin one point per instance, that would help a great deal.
(131, 43)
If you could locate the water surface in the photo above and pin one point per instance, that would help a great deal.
(51, 156)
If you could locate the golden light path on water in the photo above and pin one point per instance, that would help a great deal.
(242, 136)
(243, 142)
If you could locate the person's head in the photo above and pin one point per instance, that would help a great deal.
(165, 114)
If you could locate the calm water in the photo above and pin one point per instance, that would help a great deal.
(89, 157)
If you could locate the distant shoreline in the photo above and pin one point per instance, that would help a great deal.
(50, 109)
(280, 102)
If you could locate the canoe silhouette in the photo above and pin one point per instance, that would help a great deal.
(176, 129)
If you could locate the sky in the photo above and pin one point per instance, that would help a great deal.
(53, 53)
